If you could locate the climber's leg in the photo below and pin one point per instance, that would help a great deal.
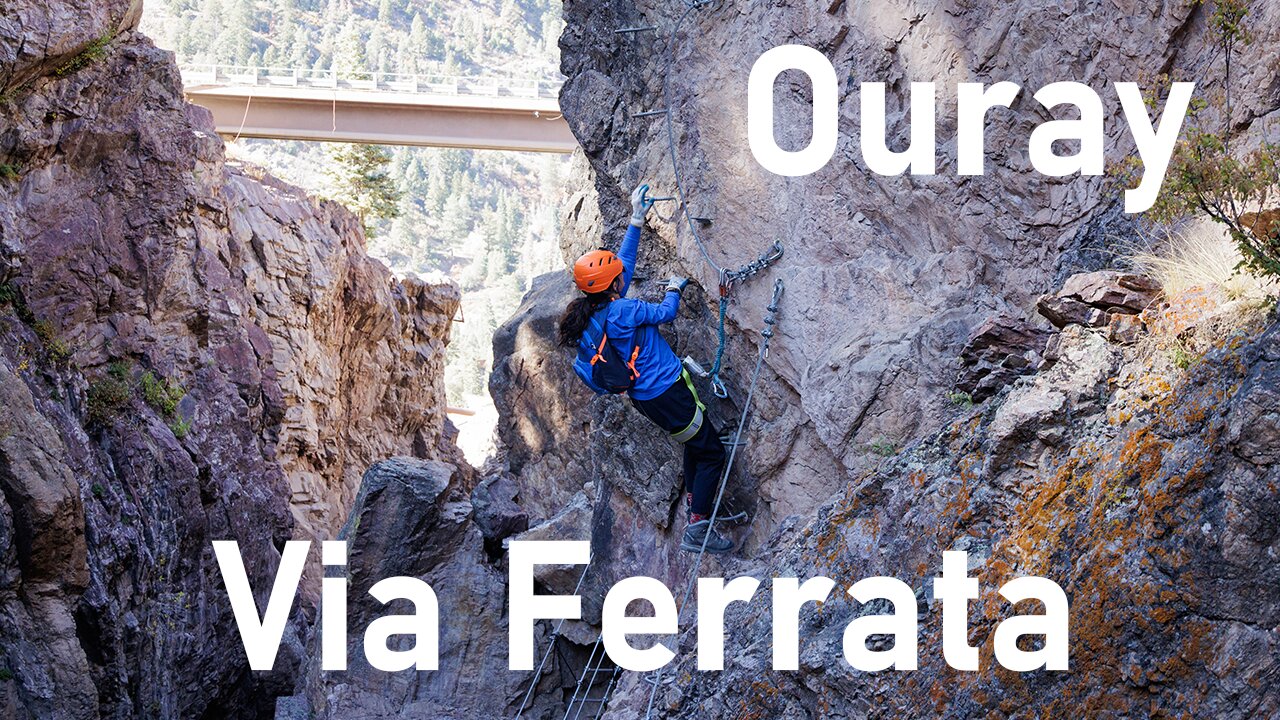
(690, 473)
(679, 411)
(706, 454)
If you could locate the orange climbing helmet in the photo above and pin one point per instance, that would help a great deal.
(595, 271)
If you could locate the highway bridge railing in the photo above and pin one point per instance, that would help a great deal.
(205, 74)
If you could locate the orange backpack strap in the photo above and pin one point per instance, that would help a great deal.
(635, 353)
(604, 337)
(600, 350)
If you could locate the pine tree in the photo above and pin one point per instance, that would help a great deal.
(360, 181)
(349, 49)
(417, 47)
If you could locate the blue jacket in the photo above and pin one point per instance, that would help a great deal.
(625, 319)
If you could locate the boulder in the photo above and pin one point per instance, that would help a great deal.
(412, 518)
(1112, 290)
(1064, 311)
(1125, 329)
(1264, 225)
(497, 513)
(1001, 348)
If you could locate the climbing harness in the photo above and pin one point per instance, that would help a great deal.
(690, 430)
(770, 319)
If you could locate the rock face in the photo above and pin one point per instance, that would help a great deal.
(188, 353)
(887, 276)
(1000, 349)
(413, 518)
(1133, 483)
(1093, 459)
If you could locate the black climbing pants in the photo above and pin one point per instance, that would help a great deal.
(674, 411)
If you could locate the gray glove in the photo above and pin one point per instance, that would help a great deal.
(678, 284)
(640, 204)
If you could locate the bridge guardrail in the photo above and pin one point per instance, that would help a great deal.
(419, 84)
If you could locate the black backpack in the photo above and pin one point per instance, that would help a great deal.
(610, 370)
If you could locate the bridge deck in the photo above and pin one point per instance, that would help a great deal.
(484, 121)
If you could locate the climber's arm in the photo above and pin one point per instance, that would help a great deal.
(658, 313)
(627, 253)
(640, 204)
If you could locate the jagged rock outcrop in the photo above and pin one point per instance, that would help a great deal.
(188, 352)
(1147, 490)
(414, 518)
(1002, 348)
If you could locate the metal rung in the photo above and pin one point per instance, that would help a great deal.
(651, 113)
(652, 679)
(636, 29)
(663, 199)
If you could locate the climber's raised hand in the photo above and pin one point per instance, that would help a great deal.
(640, 204)
(678, 284)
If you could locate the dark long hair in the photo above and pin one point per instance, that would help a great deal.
(578, 314)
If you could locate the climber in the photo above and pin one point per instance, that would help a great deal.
(602, 323)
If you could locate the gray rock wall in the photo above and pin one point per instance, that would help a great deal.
(1101, 472)
(886, 276)
(129, 253)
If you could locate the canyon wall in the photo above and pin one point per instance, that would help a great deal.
(1129, 480)
(189, 352)
(196, 352)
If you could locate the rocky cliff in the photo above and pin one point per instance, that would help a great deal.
(188, 352)
(1141, 484)
(193, 352)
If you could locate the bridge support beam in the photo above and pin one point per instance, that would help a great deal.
(495, 123)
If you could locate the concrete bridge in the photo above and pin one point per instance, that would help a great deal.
(389, 109)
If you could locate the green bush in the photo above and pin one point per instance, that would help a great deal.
(55, 348)
(161, 394)
(1206, 177)
(9, 172)
(92, 53)
(106, 397)
(883, 448)
(11, 296)
(180, 428)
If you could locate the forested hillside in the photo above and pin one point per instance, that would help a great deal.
(388, 36)
(487, 219)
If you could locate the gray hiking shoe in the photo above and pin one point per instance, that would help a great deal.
(696, 532)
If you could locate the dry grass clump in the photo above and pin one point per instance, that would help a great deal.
(1201, 255)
